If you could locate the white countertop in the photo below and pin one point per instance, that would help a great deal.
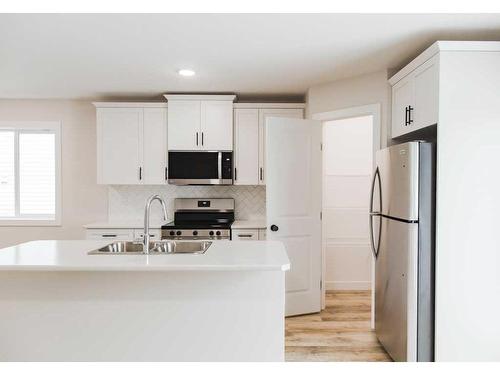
(249, 224)
(71, 255)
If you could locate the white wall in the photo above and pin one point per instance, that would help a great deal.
(352, 92)
(357, 91)
(347, 168)
(126, 203)
(83, 201)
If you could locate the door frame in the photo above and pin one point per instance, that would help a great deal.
(373, 110)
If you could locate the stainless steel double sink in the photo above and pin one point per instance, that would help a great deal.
(157, 247)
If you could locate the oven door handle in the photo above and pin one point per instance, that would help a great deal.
(219, 169)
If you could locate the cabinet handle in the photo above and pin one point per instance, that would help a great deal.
(140, 173)
(261, 171)
(108, 235)
(245, 235)
(202, 138)
(196, 138)
(235, 174)
(410, 108)
(406, 116)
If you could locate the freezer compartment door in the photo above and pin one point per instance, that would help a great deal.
(396, 289)
(397, 168)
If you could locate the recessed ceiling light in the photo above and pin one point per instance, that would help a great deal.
(186, 72)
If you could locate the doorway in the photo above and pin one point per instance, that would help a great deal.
(347, 170)
(347, 237)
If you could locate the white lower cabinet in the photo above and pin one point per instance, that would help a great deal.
(245, 234)
(121, 234)
(110, 234)
(249, 234)
(262, 234)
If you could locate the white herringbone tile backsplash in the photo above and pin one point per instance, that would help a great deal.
(126, 202)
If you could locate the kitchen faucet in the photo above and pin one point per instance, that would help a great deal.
(145, 240)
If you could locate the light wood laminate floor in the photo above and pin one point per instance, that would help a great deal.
(341, 332)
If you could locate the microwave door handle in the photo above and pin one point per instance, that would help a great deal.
(219, 169)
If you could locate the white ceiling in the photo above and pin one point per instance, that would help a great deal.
(137, 56)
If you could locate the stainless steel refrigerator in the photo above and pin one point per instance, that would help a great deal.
(402, 222)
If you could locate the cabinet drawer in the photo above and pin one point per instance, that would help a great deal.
(110, 234)
(245, 234)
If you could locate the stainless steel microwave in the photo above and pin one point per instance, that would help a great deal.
(200, 168)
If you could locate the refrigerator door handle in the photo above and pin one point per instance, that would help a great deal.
(372, 214)
(376, 176)
(374, 248)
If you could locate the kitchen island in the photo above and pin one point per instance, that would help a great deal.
(57, 303)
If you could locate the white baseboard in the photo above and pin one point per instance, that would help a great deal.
(348, 285)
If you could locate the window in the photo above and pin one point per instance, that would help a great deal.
(29, 173)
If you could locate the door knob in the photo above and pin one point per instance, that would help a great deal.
(274, 228)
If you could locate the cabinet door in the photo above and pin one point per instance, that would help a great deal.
(154, 234)
(263, 114)
(184, 125)
(402, 98)
(262, 234)
(246, 146)
(217, 125)
(155, 146)
(426, 79)
(119, 145)
(245, 234)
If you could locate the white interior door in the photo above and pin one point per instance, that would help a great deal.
(293, 199)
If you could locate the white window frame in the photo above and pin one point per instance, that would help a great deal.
(53, 127)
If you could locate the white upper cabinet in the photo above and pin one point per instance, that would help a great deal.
(154, 146)
(200, 122)
(415, 98)
(249, 138)
(426, 94)
(263, 115)
(184, 119)
(246, 146)
(217, 125)
(131, 143)
(402, 101)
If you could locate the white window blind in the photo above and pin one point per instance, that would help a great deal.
(28, 174)
(37, 174)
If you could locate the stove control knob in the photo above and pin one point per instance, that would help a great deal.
(179, 233)
(218, 233)
(195, 232)
(172, 232)
(211, 233)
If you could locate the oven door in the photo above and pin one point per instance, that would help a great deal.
(200, 168)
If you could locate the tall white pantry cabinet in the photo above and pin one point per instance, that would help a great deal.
(456, 85)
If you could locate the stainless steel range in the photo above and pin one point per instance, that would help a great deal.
(200, 219)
